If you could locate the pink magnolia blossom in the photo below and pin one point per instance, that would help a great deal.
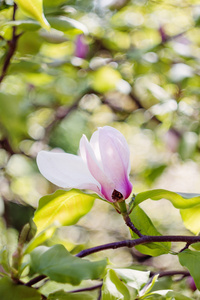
(81, 48)
(103, 165)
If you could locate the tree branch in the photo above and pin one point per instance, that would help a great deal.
(35, 280)
(131, 226)
(12, 47)
(142, 240)
(171, 273)
(91, 288)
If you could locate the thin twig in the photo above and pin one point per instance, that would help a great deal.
(12, 47)
(131, 225)
(99, 296)
(143, 240)
(186, 247)
(35, 280)
(91, 288)
(170, 273)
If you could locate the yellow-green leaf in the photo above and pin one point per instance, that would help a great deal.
(62, 208)
(113, 288)
(34, 9)
(40, 238)
(146, 227)
(189, 205)
(191, 218)
(179, 200)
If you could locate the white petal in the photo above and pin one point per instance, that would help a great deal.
(66, 171)
(94, 142)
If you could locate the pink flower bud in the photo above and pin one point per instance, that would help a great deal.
(81, 48)
(191, 283)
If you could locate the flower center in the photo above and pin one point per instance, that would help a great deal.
(117, 195)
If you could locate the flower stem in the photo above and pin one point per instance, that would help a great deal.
(124, 212)
(131, 226)
(123, 208)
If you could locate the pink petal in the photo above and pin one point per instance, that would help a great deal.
(115, 158)
(87, 153)
(120, 142)
(66, 171)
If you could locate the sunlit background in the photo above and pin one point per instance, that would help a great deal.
(133, 65)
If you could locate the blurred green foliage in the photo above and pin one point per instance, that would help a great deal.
(139, 73)
(135, 67)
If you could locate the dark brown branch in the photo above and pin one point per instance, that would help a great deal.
(12, 44)
(91, 288)
(143, 240)
(4, 144)
(131, 226)
(171, 273)
(129, 243)
(99, 296)
(186, 246)
(35, 280)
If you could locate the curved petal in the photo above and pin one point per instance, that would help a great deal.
(120, 143)
(115, 158)
(94, 142)
(87, 153)
(66, 171)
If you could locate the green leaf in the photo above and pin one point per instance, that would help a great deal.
(40, 239)
(146, 227)
(63, 23)
(179, 200)
(167, 294)
(34, 10)
(24, 24)
(4, 260)
(196, 246)
(10, 291)
(59, 265)
(134, 278)
(191, 218)
(25, 66)
(147, 288)
(177, 296)
(189, 205)
(62, 295)
(62, 208)
(54, 3)
(191, 260)
(113, 288)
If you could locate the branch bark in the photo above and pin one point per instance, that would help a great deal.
(142, 240)
(12, 47)
(35, 280)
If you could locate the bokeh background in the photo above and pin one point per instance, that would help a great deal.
(133, 65)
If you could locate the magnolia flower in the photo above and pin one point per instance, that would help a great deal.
(81, 48)
(102, 165)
